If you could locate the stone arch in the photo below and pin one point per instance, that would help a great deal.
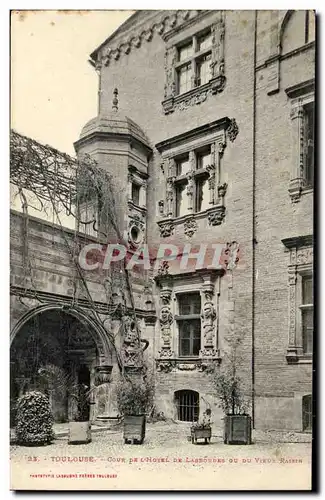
(96, 330)
(304, 19)
(187, 403)
(73, 343)
(283, 25)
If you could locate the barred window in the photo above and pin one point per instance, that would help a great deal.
(187, 403)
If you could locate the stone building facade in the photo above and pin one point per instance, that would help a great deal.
(210, 140)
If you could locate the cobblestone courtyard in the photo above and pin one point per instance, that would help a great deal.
(166, 460)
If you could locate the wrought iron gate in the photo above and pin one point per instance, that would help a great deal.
(187, 405)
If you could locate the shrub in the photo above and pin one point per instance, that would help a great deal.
(13, 411)
(230, 394)
(34, 420)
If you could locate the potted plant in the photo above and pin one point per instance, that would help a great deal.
(237, 422)
(80, 394)
(202, 430)
(79, 425)
(134, 399)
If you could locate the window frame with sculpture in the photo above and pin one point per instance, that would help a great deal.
(201, 153)
(300, 270)
(189, 51)
(202, 314)
(302, 100)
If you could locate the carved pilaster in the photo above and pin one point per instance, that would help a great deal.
(292, 279)
(190, 191)
(171, 165)
(165, 319)
(218, 57)
(211, 170)
(208, 315)
(297, 181)
(212, 185)
(170, 84)
(131, 351)
(170, 196)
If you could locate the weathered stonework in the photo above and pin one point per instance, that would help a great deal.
(248, 183)
(190, 227)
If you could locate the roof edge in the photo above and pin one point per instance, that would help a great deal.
(120, 28)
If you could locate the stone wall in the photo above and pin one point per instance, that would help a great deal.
(139, 75)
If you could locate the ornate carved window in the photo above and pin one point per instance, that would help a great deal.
(303, 133)
(194, 63)
(300, 285)
(189, 319)
(195, 188)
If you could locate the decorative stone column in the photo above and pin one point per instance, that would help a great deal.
(218, 57)
(131, 352)
(170, 196)
(208, 316)
(190, 182)
(211, 182)
(292, 347)
(297, 155)
(165, 321)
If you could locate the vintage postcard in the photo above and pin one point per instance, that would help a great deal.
(161, 180)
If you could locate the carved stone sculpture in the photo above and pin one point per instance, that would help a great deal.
(208, 320)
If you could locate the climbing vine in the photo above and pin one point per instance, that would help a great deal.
(57, 183)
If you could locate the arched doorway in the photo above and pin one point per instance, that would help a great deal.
(53, 337)
(187, 405)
